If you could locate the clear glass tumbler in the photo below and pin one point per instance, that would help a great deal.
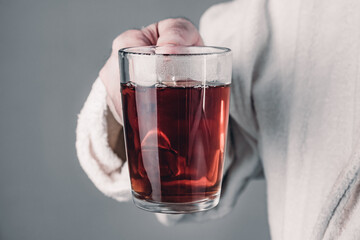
(175, 103)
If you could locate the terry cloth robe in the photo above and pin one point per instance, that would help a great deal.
(294, 117)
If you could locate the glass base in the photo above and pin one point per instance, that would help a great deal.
(176, 208)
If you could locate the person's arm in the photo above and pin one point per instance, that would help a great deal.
(99, 135)
(100, 146)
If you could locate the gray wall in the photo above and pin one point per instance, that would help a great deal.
(50, 53)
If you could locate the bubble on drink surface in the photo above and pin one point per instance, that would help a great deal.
(160, 85)
(130, 84)
(201, 86)
(183, 83)
(214, 83)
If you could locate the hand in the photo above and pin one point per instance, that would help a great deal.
(173, 31)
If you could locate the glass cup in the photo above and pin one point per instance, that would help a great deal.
(175, 103)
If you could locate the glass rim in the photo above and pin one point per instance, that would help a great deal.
(150, 51)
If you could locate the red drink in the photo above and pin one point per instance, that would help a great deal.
(175, 138)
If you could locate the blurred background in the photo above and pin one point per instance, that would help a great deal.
(50, 54)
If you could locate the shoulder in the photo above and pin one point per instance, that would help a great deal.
(219, 17)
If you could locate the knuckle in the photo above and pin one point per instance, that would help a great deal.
(178, 32)
(180, 23)
(120, 40)
(181, 20)
(184, 23)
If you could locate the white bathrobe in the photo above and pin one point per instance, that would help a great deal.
(294, 116)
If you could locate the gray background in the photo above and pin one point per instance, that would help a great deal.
(50, 53)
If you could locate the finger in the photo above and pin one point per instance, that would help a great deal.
(151, 33)
(130, 38)
(178, 31)
(110, 73)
